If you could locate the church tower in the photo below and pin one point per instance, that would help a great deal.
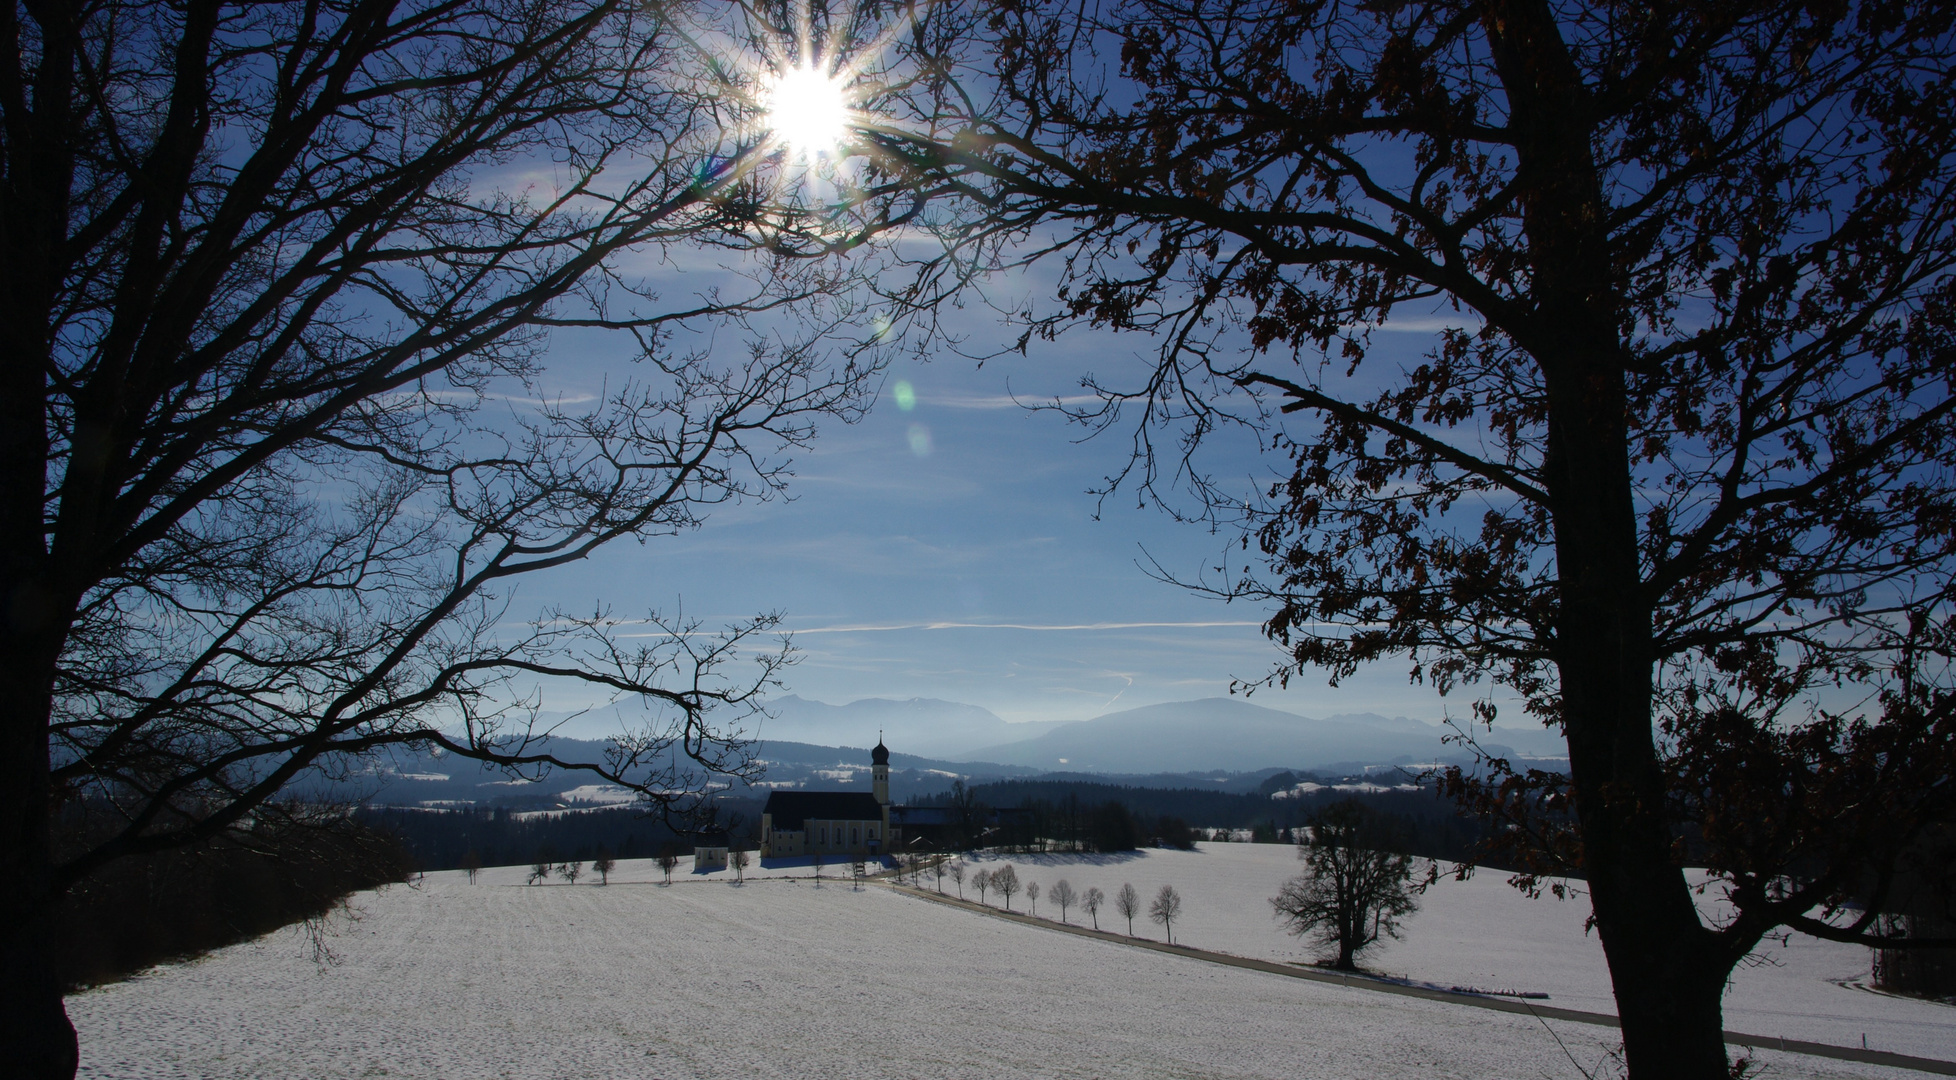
(879, 771)
(879, 762)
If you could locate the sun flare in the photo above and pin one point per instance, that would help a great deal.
(808, 110)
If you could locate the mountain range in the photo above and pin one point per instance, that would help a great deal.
(923, 726)
(1232, 734)
(1186, 736)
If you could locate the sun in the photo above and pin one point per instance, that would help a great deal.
(808, 110)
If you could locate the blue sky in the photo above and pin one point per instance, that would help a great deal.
(952, 550)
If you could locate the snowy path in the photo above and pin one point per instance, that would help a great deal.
(775, 979)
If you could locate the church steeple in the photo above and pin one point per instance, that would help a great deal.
(879, 769)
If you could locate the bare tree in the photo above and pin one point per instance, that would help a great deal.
(1005, 881)
(957, 875)
(1128, 903)
(816, 861)
(1165, 909)
(1354, 890)
(280, 315)
(604, 864)
(668, 859)
(1678, 466)
(571, 871)
(1092, 902)
(1064, 896)
(739, 858)
(938, 868)
(982, 881)
(540, 870)
(471, 864)
(1032, 897)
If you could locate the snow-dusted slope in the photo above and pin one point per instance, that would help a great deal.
(1482, 933)
(779, 979)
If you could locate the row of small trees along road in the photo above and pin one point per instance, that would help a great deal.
(1164, 909)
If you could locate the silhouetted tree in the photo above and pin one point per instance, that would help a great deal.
(571, 871)
(982, 881)
(967, 815)
(739, 858)
(1175, 833)
(1092, 902)
(1165, 909)
(603, 865)
(1032, 897)
(471, 864)
(667, 861)
(1679, 459)
(816, 861)
(957, 875)
(1128, 903)
(1113, 828)
(275, 444)
(1354, 890)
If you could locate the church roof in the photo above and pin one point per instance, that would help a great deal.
(790, 808)
(880, 755)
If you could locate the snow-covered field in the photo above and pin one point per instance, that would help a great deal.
(779, 978)
(1483, 933)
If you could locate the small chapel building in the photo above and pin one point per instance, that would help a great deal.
(842, 823)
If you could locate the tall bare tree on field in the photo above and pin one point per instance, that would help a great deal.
(1005, 881)
(604, 864)
(1354, 890)
(667, 861)
(957, 875)
(982, 881)
(1165, 908)
(471, 864)
(1671, 461)
(1064, 896)
(282, 282)
(739, 858)
(1092, 902)
(1128, 903)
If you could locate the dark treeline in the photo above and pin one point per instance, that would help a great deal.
(445, 839)
(144, 909)
(1072, 813)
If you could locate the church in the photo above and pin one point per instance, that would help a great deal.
(839, 823)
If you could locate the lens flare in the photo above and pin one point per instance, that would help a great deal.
(905, 395)
(920, 440)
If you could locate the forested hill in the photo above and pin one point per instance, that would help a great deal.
(1428, 824)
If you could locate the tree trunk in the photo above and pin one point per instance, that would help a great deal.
(1664, 964)
(1667, 971)
(36, 1039)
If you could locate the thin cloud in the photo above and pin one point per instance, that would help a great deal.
(878, 627)
(1001, 401)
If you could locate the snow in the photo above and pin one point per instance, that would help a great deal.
(599, 793)
(779, 978)
(1483, 933)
